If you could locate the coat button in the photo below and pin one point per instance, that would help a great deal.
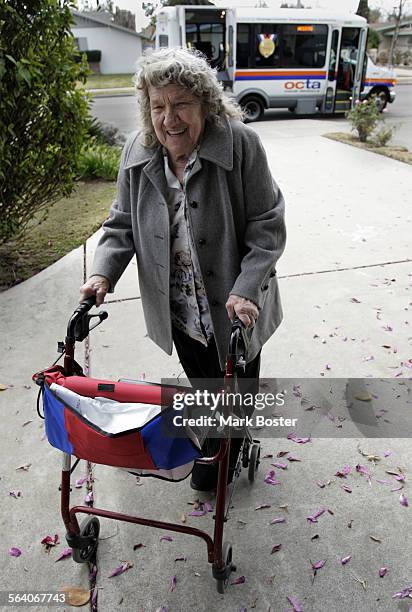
(265, 287)
(193, 204)
(202, 241)
(209, 272)
(272, 274)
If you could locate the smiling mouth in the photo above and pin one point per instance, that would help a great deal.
(176, 133)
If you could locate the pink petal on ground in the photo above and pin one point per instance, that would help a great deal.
(282, 454)
(346, 488)
(383, 571)
(93, 574)
(278, 519)
(403, 594)
(400, 478)
(67, 552)
(239, 580)
(346, 560)
(319, 564)
(361, 469)
(281, 466)
(262, 506)
(403, 500)
(293, 458)
(198, 513)
(344, 471)
(328, 366)
(80, 482)
(14, 493)
(121, 569)
(270, 478)
(321, 485)
(292, 436)
(297, 606)
(173, 583)
(167, 538)
(388, 453)
(208, 507)
(276, 548)
(14, 551)
(89, 498)
(314, 517)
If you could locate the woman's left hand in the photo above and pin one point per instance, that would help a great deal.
(246, 310)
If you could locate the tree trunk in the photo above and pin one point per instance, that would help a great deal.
(396, 32)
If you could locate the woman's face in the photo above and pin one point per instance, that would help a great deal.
(178, 119)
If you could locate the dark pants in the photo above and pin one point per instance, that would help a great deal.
(201, 362)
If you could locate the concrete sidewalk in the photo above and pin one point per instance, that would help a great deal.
(345, 281)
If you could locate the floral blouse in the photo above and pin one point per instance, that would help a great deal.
(188, 302)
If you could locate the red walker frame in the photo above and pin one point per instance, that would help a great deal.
(219, 556)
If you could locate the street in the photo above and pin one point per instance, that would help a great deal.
(121, 111)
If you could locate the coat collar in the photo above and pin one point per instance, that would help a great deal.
(216, 146)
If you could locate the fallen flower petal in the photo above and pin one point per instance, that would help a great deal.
(278, 519)
(49, 542)
(14, 551)
(388, 453)
(319, 564)
(263, 506)
(93, 600)
(361, 469)
(293, 458)
(167, 538)
(15, 493)
(89, 498)
(93, 574)
(403, 594)
(292, 436)
(173, 582)
(314, 517)
(239, 580)
(80, 481)
(383, 571)
(276, 548)
(267, 456)
(67, 552)
(25, 467)
(344, 471)
(281, 466)
(346, 488)
(208, 507)
(197, 513)
(346, 560)
(270, 478)
(403, 500)
(297, 606)
(282, 454)
(121, 569)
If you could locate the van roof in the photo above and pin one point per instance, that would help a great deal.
(297, 16)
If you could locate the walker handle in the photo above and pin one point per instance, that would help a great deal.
(78, 327)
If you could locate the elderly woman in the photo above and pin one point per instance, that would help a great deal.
(197, 205)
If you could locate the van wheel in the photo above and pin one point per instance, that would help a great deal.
(381, 99)
(253, 108)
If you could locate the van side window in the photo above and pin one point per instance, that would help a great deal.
(267, 45)
(243, 55)
(304, 46)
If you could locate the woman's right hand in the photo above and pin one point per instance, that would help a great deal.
(95, 285)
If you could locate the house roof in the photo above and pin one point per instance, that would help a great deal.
(103, 20)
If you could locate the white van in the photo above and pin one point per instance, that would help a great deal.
(306, 60)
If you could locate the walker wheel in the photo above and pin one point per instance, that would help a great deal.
(222, 584)
(254, 460)
(89, 527)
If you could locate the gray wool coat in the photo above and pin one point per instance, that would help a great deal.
(236, 211)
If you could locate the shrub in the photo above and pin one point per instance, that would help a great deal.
(383, 57)
(43, 112)
(383, 136)
(106, 133)
(364, 118)
(98, 161)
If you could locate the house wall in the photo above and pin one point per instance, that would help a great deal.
(120, 50)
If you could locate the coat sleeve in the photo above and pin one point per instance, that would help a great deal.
(116, 247)
(265, 232)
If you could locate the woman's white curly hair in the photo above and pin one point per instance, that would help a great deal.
(189, 69)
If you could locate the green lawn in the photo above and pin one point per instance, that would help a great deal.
(68, 224)
(106, 81)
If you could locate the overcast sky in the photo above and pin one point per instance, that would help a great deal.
(135, 6)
